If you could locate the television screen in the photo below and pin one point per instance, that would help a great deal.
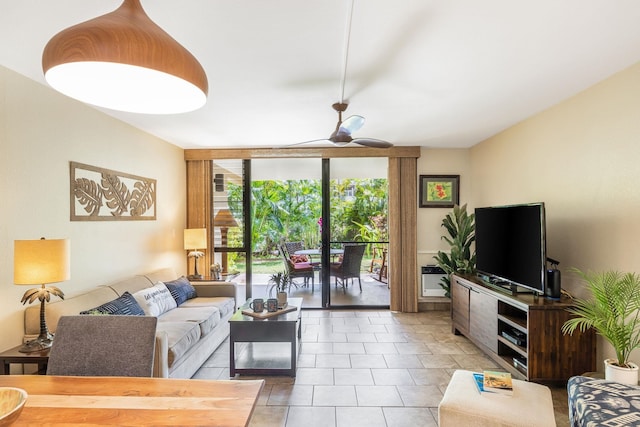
(510, 244)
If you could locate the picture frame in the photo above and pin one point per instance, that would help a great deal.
(439, 191)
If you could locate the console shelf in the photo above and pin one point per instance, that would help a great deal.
(521, 332)
(514, 347)
(516, 323)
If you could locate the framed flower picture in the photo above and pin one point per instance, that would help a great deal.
(439, 191)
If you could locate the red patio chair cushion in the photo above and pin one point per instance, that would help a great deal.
(301, 266)
(299, 258)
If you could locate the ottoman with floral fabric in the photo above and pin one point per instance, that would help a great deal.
(597, 402)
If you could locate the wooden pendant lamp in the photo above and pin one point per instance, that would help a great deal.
(124, 61)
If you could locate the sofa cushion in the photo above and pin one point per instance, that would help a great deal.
(132, 284)
(68, 307)
(181, 336)
(181, 289)
(206, 317)
(226, 305)
(124, 305)
(162, 275)
(155, 300)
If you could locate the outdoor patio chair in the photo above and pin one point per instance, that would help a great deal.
(292, 247)
(105, 346)
(349, 267)
(379, 262)
(302, 270)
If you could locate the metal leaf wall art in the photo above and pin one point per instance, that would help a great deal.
(99, 194)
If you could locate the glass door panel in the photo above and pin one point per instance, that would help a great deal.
(228, 223)
(359, 209)
(286, 208)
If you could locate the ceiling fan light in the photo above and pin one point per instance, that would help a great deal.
(124, 61)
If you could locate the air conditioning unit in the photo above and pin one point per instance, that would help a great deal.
(431, 276)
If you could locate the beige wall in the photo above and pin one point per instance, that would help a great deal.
(40, 133)
(439, 162)
(581, 157)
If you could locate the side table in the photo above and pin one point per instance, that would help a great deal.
(285, 328)
(13, 355)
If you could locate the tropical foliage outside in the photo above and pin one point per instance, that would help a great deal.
(291, 211)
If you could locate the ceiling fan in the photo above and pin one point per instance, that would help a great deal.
(341, 136)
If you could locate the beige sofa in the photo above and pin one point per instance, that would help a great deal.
(185, 337)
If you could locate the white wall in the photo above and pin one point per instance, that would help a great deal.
(581, 158)
(41, 131)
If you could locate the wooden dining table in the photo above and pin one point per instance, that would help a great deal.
(127, 401)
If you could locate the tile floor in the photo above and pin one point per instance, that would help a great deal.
(374, 292)
(367, 368)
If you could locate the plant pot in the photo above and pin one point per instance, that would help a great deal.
(282, 299)
(620, 374)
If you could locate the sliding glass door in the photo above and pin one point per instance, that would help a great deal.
(268, 214)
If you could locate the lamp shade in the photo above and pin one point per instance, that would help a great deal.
(195, 238)
(225, 219)
(41, 261)
(124, 61)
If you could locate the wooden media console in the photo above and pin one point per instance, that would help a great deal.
(522, 332)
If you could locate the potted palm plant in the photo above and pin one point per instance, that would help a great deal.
(279, 281)
(613, 312)
(461, 229)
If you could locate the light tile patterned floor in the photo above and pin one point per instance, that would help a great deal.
(367, 368)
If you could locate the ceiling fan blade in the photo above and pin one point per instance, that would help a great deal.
(351, 124)
(324, 140)
(371, 142)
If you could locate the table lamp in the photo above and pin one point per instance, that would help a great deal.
(194, 239)
(41, 262)
(224, 219)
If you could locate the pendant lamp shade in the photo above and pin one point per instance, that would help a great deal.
(124, 61)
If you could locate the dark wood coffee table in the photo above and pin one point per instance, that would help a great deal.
(248, 333)
(13, 355)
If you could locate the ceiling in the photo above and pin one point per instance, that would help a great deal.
(434, 73)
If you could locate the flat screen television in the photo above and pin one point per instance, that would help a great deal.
(511, 245)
